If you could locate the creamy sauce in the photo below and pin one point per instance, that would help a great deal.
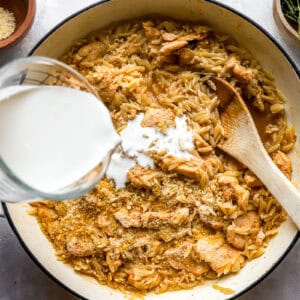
(137, 141)
(118, 168)
(52, 136)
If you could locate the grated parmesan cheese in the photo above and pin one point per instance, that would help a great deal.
(7, 23)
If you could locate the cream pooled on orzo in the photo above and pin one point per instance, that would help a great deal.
(138, 140)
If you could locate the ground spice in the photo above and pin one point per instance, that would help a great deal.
(7, 23)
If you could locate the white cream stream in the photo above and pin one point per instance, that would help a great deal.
(52, 136)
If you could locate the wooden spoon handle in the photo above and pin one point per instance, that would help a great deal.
(260, 163)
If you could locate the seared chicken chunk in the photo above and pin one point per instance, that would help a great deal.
(222, 258)
(194, 168)
(241, 73)
(143, 277)
(151, 219)
(142, 177)
(150, 32)
(283, 162)
(209, 217)
(89, 53)
(243, 228)
(169, 37)
(170, 47)
(233, 191)
(251, 180)
(158, 118)
(113, 261)
(180, 258)
(82, 246)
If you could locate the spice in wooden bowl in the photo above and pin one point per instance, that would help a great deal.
(7, 23)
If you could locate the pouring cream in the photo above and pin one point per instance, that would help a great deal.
(51, 136)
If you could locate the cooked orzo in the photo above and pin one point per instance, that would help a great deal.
(185, 220)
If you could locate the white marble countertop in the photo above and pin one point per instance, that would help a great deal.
(21, 279)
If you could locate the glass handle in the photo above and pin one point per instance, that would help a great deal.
(1, 211)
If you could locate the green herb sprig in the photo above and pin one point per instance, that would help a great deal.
(291, 10)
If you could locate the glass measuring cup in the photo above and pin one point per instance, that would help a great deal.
(44, 71)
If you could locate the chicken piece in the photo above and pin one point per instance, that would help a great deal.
(227, 180)
(151, 219)
(143, 277)
(196, 268)
(241, 196)
(233, 191)
(46, 214)
(260, 238)
(283, 162)
(209, 217)
(180, 252)
(169, 37)
(156, 219)
(243, 228)
(158, 118)
(80, 247)
(142, 177)
(113, 261)
(201, 30)
(179, 259)
(150, 32)
(241, 73)
(222, 258)
(170, 47)
(89, 53)
(103, 221)
(103, 82)
(127, 220)
(153, 248)
(168, 234)
(186, 56)
(194, 168)
(251, 180)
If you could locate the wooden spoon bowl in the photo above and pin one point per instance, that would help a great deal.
(244, 144)
(24, 12)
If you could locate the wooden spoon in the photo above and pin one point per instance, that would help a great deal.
(243, 143)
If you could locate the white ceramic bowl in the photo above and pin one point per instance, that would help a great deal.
(222, 18)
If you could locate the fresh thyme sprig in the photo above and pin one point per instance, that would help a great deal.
(291, 10)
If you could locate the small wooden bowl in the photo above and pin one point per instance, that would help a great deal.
(24, 12)
(282, 21)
